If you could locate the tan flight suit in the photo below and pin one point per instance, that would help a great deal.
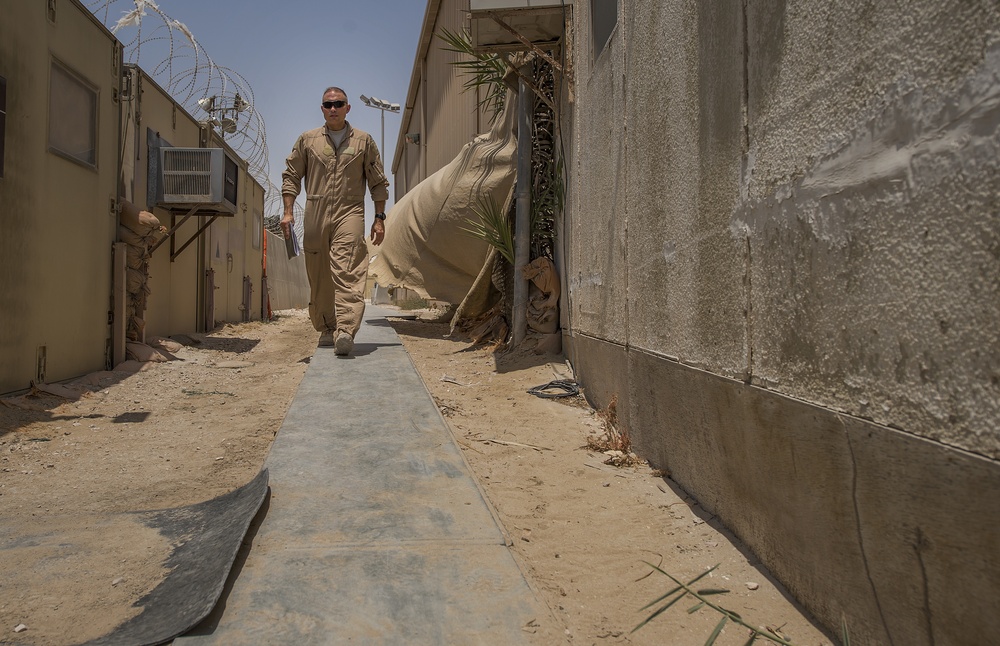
(334, 224)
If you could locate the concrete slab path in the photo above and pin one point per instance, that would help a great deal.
(375, 531)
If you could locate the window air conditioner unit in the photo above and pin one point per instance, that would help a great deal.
(205, 176)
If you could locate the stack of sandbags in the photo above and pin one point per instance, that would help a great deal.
(139, 230)
(543, 295)
(543, 304)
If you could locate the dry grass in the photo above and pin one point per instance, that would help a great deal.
(614, 440)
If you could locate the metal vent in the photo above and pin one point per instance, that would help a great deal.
(187, 172)
(198, 176)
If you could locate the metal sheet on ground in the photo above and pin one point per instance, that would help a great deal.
(207, 538)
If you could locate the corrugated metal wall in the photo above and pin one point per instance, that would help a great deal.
(410, 166)
(451, 113)
(452, 118)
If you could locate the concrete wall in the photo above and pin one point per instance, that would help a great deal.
(782, 257)
(287, 282)
(58, 217)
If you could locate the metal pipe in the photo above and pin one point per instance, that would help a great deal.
(522, 221)
(381, 143)
(424, 135)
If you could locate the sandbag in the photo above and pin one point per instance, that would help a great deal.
(543, 295)
(549, 344)
(135, 280)
(142, 223)
(142, 352)
(161, 343)
(136, 257)
(130, 237)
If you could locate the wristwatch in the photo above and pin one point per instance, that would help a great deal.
(380, 216)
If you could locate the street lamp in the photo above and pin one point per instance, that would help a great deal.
(384, 106)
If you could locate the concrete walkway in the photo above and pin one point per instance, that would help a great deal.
(376, 532)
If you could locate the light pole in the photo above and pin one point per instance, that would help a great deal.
(384, 106)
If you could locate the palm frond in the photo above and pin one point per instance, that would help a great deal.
(492, 226)
(485, 72)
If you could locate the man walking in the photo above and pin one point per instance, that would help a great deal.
(337, 163)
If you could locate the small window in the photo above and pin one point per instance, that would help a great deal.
(603, 18)
(3, 119)
(72, 117)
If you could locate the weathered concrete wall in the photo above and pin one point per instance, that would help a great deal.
(687, 291)
(783, 234)
(57, 217)
(873, 212)
(596, 258)
(897, 533)
(287, 282)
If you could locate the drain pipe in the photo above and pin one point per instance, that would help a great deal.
(522, 221)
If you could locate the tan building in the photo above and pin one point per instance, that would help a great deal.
(61, 71)
(224, 262)
(438, 117)
(781, 259)
(67, 107)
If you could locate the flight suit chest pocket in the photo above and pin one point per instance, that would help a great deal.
(353, 173)
(322, 156)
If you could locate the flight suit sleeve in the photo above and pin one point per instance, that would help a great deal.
(378, 185)
(295, 169)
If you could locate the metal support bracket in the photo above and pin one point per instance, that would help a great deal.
(177, 225)
(173, 229)
(174, 254)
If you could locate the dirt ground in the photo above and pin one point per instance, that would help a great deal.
(165, 434)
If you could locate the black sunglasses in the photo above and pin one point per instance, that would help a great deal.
(334, 104)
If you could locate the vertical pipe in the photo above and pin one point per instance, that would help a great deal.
(424, 135)
(522, 222)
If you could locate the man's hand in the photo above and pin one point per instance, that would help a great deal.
(286, 224)
(378, 232)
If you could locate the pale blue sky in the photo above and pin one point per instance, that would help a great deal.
(290, 50)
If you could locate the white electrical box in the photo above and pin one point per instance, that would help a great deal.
(205, 176)
(538, 21)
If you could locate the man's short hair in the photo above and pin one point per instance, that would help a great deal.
(334, 88)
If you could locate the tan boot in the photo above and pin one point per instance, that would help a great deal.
(344, 344)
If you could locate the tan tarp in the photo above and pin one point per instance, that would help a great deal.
(425, 248)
